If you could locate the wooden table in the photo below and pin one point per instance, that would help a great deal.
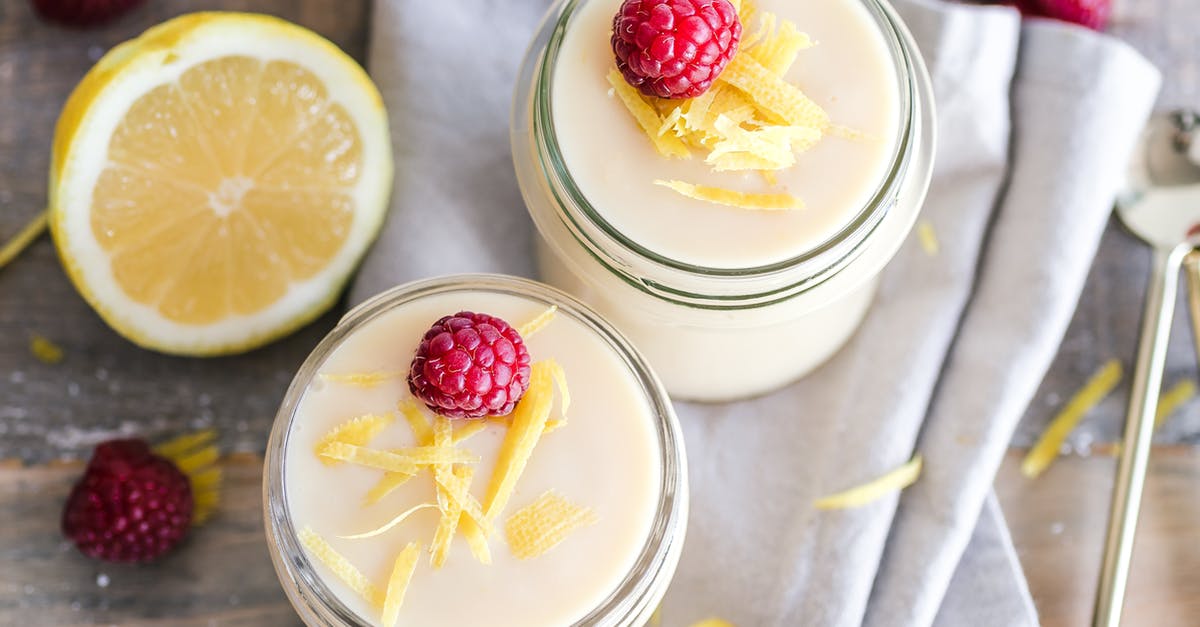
(50, 416)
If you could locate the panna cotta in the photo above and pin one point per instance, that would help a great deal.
(733, 278)
(613, 461)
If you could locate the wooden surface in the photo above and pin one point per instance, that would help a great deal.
(223, 574)
(108, 387)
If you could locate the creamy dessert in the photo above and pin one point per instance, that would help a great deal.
(724, 180)
(845, 68)
(554, 490)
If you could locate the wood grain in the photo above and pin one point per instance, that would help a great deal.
(220, 575)
(1058, 524)
(223, 575)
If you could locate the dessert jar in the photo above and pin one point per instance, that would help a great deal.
(640, 590)
(720, 333)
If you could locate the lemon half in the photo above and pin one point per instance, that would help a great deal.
(215, 181)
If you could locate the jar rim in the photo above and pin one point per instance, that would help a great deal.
(760, 284)
(308, 592)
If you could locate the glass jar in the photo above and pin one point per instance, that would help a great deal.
(717, 334)
(642, 588)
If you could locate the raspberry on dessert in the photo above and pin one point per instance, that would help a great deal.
(83, 12)
(674, 48)
(130, 506)
(470, 365)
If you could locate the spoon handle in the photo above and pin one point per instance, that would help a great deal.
(1139, 430)
(1191, 269)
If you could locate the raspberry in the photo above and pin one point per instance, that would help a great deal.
(130, 506)
(83, 12)
(470, 365)
(1090, 13)
(674, 48)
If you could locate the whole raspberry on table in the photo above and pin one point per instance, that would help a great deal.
(470, 365)
(1093, 14)
(130, 506)
(674, 48)
(83, 12)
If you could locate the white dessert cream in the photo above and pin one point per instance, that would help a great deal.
(727, 301)
(848, 72)
(605, 459)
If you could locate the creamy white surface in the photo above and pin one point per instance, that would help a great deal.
(849, 73)
(606, 458)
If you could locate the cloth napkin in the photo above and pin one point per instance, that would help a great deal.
(1035, 123)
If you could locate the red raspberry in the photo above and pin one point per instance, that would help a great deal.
(83, 12)
(130, 506)
(470, 365)
(674, 48)
(1090, 13)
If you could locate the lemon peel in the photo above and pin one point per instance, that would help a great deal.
(402, 572)
(360, 379)
(45, 351)
(528, 422)
(1173, 399)
(647, 118)
(875, 489)
(1045, 451)
(384, 528)
(451, 515)
(731, 198)
(464, 433)
(407, 461)
(544, 524)
(538, 323)
(357, 431)
(341, 567)
(928, 238)
(23, 238)
(195, 455)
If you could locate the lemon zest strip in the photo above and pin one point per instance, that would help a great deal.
(384, 528)
(544, 524)
(1045, 451)
(397, 585)
(647, 118)
(340, 566)
(875, 489)
(356, 431)
(528, 422)
(361, 379)
(730, 198)
(1173, 399)
(26, 236)
(538, 323)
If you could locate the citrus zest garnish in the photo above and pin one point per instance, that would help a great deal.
(451, 514)
(361, 379)
(415, 417)
(45, 351)
(667, 145)
(731, 198)
(195, 456)
(340, 566)
(875, 489)
(463, 433)
(23, 238)
(386, 485)
(1046, 449)
(543, 524)
(560, 383)
(928, 237)
(528, 421)
(391, 523)
(776, 47)
(455, 489)
(476, 539)
(538, 323)
(397, 585)
(771, 94)
(1173, 399)
(357, 431)
(407, 461)
(553, 425)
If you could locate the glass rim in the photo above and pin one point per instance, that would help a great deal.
(308, 592)
(830, 255)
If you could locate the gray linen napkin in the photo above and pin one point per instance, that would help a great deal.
(757, 553)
